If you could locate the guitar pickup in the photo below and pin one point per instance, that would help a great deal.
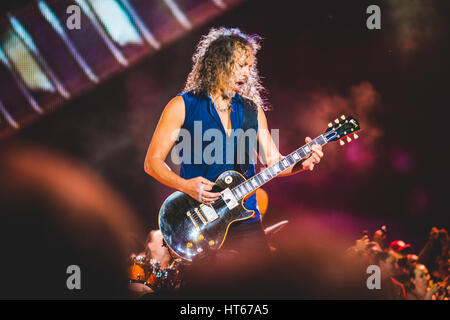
(229, 198)
(209, 212)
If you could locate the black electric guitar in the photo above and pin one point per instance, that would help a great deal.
(191, 228)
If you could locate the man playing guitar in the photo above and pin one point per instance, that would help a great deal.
(223, 81)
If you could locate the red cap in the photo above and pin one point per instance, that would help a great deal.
(400, 247)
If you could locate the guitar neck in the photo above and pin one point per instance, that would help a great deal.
(274, 170)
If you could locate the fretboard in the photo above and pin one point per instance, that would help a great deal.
(274, 170)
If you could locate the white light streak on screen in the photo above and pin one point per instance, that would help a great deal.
(24, 63)
(8, 117)
(179, 14)
(116, 21)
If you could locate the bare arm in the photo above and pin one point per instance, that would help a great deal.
(164, 137)
(162, 142)
(270, 153)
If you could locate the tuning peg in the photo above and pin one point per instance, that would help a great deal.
(337, 120)
(349, 139)
(330, 125)
(341, 143)
(355, 136)
(343, 117)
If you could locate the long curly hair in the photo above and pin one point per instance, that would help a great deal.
(214, 60)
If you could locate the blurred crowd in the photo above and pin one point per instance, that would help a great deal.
(407, 274)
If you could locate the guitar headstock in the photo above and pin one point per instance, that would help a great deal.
(343, 128)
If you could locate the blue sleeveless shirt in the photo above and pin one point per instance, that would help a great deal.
(200, 117)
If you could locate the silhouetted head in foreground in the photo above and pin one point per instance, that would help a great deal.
(56, 214)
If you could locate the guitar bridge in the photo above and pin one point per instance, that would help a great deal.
(198, 213)
(194, 222)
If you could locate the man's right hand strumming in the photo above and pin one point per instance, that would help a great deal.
(198, 188)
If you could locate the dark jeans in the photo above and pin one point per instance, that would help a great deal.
(247, 240)
(237, 268)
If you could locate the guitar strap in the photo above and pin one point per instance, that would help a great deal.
(249, 121)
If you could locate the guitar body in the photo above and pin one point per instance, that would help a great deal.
(191, 228)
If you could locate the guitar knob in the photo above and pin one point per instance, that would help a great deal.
(336, 121)
(349, 139)
(211, 243)
(355, 136)
(341, 143)
(330, 125)
(343, 117)
(189, 244)
(201, 237)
